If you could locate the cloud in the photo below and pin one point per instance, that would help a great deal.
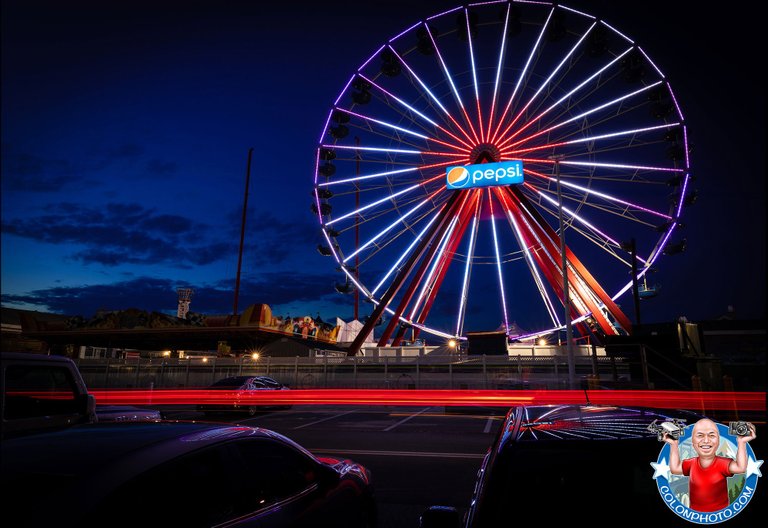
(31, 173)
(120, 233)
(307, 289)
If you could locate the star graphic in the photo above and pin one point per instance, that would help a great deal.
(661, 469)
(753, 467)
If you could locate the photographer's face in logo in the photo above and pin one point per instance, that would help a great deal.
(706, 473)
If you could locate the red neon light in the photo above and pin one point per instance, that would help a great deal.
(743, 401)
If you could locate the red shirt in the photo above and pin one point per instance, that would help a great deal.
(708, 487)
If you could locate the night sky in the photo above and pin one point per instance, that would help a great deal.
(126, 128)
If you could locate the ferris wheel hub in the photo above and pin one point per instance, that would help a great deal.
(485, 153)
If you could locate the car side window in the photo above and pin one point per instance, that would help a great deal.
(33, 390)
(271, 472)
(193, 490)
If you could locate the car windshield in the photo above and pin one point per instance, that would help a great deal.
(528, 478)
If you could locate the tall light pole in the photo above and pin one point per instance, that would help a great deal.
(566, 297)
(242, 230)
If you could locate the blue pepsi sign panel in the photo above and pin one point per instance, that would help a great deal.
(484, 175)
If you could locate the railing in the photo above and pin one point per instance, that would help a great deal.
(411, 372)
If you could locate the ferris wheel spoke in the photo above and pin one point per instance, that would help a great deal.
(526, 248)
(429, 92)
(498, 264)
(474, 74)
(558, 104)
(468, 264)
(624, 97)
(495, 96)
(523, 73)
(593, 192)
(548, 79)
(386, 174)
(448, 76)
(390, 227)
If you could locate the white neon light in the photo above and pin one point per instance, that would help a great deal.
(374, 149)
(409, 107)
(401, 129)
(344, 90)
(403, 33)
(371, 58)
(622, 35)
(444, 13)
(367, 177)
(467, 267)
(498, 264)
(418, 79)
(433, 268)
(577, 12)
(471, 55)
(588, 112)
(620, 166)
(406, 252)
(389, 227)
(649, 60)
(374, 204)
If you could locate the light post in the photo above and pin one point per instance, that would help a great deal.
(566, 297)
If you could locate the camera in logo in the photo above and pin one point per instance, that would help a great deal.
(457, 177)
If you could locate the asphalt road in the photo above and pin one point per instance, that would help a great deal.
(419, 456)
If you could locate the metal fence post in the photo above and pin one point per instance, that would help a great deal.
(138, 368)
(186, 378)
(296, 372)
(213, 371)
(485, 374)
(160, 383)
(354, 371)
(269, 358)
(450, 375)
(325, 371)
(240, 366)
(106, 375)
(386, 369)
(595, 371)
(418, 360)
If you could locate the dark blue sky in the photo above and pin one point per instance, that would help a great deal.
(126, 126)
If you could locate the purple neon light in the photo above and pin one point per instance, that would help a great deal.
(330, 245)
(371, 58)
(403, 33)
(367, 177)
(680, 112)
(649, 60)
(487, 3)
(532, 2)
(344, 90)
(577, 12)
(325, 128)
(444, 13)
(498, 263)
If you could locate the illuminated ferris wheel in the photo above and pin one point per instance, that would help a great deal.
(456, 156)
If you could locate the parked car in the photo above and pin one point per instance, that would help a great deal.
(558, 464)
(242, 385)
(126, 413)
(41, 392)
(191, 474)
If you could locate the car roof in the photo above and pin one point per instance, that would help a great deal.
(80, 450)
(234, 381)
(544, 423)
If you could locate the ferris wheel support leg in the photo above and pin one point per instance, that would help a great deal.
(448, 214)
(445, 260)
(438, 227)
(610, 305)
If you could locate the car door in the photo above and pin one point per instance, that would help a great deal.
(281, 486)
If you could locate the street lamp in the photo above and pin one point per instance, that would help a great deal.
(566, 297)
